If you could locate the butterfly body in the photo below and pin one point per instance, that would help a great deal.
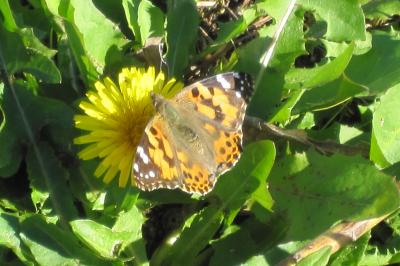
(194, 137)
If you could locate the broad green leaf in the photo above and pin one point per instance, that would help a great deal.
(130, 223)
(238, 244)
(381, 9)
(379, 69)
(289, 46)
(51, 245)
(268, 94)
(8, 18)
(386, 125)
(9, 236)
(344, 18)
(316, 191)
(195, 236)
(247, 179)
(25, 115)
(231, 29)
(319, 258)
(48, 182)
(22, 51)
(131, 12)
(91, 46)
(376, 154)
(352, 253)
(182, 27)
(328, 95)
(318, 76)
(151, 21)
(99, 238)
(284, 112)
(282, 251)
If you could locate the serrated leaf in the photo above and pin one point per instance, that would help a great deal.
(48, 181)
(52, 246)
(182, 26)
(26, 114)
(9, 236)
(22, 51)
(315, 191)
(386, 125)
(130, 223)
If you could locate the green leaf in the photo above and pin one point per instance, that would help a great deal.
(101, 239)
(315, 191)
(130, 223)
(237, 243)
(247, 179)
(52, 246)
(196, 234)
(268, 94)
(231, 29)
(182, 26)
(9, 236)
(351, 254)
(131, 12)
(151, 19)
(317, 76)
(319, 258)
(386, 125)
(22, 51)
(82, 23)
(344, 18)
(379, 69)
(328, 95)
(381, 9)
(48, 181)
(29, 115)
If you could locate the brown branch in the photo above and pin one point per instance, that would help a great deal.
(336, 237)
(255, 128)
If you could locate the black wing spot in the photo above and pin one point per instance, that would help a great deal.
(195, 92)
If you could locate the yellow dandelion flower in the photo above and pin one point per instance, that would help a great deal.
(115, 118)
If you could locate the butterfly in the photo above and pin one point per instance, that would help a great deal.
(195, 136)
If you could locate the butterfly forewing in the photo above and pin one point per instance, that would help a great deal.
(215, 109)
(155, 163)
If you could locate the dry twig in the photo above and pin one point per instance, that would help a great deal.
(336, 237)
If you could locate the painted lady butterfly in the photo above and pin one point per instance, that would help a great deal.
(195, 136)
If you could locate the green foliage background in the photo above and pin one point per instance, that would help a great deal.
(279, 196)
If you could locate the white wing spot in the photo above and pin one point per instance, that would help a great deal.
(238, 94)
(136, 167)
(224, 83)
(141, 175)
(152, 174)
(139, 149)
(145, 158)
(146, 176)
